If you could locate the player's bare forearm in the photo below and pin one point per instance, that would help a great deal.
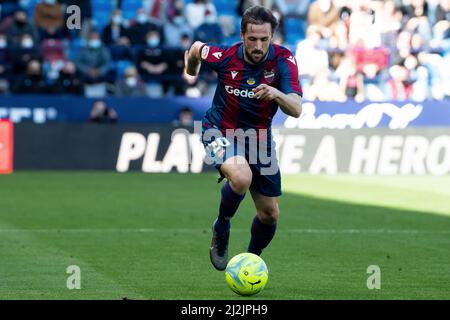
(290, 103)
(192, 59)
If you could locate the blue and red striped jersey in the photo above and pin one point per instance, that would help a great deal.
(234, 105)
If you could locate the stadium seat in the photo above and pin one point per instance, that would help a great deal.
(294, 30)
(225, 7)
(30, 5)
(74, 48)
(101, 11)
(129, 8)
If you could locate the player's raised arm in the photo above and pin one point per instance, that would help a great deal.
(192, 59)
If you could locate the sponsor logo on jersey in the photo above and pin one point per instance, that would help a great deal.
(234, 74)
(205, 52)
(251, 81)
(244, 93)
(269, 76)
(218, 55)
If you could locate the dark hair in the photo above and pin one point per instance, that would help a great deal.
(258, 15)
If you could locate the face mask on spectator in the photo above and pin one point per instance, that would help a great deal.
(210, 19)
(141, 18)
(20, 23)
(178, 20)
(95, 43)
(131, 81)
(3, 43)
(153, 42)
(117, 19)
(27, 43)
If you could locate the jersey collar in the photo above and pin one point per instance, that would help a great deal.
(270, 56)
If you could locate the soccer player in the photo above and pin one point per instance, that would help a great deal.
(255, 77)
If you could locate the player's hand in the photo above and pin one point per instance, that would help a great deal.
(265, 92)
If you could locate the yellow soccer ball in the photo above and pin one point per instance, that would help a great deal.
(246, 274)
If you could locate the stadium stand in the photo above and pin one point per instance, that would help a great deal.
(400, 48)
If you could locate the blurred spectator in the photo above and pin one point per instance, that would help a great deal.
(443, 11)
(245, 4)
(49, 19)
(32, 82)
(196, 12)
(185, 117)
(122, 55)
(176, 84)
(19, 27)
(140, 28)
(373, 82)
(210, 30)
(399, 49)
(8, 8)
(101, 113)
(152, 63)
(115, 29)
(174, 28)
(53, 58)
(399, 86)
(351, 81)
(418, 77)
(69, 81)
(293, 7)
(121, 50)
(5, 64)
(389, 22)
(323, 88)
(131, 85)
(324, 14)
(156, 9)
(24, 53)
(310, 56)
(94, 60)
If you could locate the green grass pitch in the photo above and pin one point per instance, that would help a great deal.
(146, 236)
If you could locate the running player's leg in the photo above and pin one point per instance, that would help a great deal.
(239, 179)
(264, 223)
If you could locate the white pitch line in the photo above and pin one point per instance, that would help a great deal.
(180, 230)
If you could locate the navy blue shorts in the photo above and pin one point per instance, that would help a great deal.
(266, 178)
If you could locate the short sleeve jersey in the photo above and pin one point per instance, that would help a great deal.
(234, 105)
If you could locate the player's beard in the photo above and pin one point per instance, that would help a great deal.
(250, 54)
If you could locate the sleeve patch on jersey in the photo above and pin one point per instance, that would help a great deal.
(205, 52)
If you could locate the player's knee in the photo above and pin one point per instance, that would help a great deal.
(269, 215)
(241, 180)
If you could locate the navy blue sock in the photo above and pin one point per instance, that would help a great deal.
(261, 235)
(228, 206)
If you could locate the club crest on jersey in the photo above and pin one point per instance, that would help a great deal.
(205, 52)
(251, 81)
(269, 76)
